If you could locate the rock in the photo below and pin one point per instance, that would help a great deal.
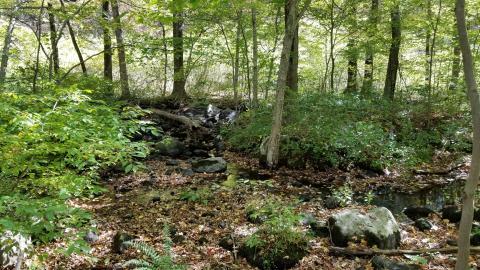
(172, 162)
(377, 226)
(332, 202)
(13, 247)
(90, 237)
(416, 212)
(187, 172)
(383, 263)
(118, 243)
(319, 228)
(423, 224)
(452, 212)
(170, 147)
(226, 243)
(201, 153)
(209, 165)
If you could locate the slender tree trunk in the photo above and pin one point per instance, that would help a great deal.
(37, 59)
(247, 62)
(107, 43)
(367, 85)
(432, 50)
(352, 67)
(393, 62)
(53, 39)
(178, 68)
(292, 74)
(472, 181)
(428, 49)
(332, 47)
(74, 42)
(7, 43)
(165, 60)
(237, 58)
(122, 61)
(254, 57)
(272, 52)
(273, 146)
(455, 65)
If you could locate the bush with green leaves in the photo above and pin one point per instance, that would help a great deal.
(279, 242)
(154, 260)
(328, 130)
(55, 145)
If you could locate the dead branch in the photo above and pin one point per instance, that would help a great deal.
(396, 252)
(191, 124)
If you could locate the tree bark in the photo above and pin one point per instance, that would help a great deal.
(292, 74)
(37, 59)
(455, 65)
(273, 146)
(53, 39)
(165, 60)
(107, 43)
(254, 57)
(472, 180)
(122, 61)
(332, 46)
(74, 41)
(428, 49)
(352, 67)
(237, 58)
(7, 43)
(393, 62)
(178, 68)
(247, 61)
(367, 85)
(272, 52)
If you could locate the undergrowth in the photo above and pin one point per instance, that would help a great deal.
(346, 130)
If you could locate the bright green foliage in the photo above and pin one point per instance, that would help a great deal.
(155, 260)
(278, 237)
(56, 145)
(342, 131)
(202, 195)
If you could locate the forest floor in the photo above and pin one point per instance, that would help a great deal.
(142, 203)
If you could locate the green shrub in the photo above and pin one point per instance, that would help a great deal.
(346, 130)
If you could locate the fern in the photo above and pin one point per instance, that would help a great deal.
(157, 261)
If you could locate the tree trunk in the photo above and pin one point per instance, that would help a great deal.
(455, 65)
(428, 38)
(332, 46)
(367, 85)
(237, 58)
(7, 43)
(178, 69)
(472, 181)
(122, 61)
(352, 67)
(254, 57)
(247, 61)
(74, 41)
(53, 39)
(272, 57)
(273, 146)
(393, 62)
(37, 59)
(107, 43)
(292, 74)
(432, 50)
(165, 60)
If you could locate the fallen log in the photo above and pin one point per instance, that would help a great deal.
(439, 171)
(191, 124)
(396, 252)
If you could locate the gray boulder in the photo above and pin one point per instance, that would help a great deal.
(383, 263)
(13, 248)
(209, 165)
(378, 227)
(170, 147)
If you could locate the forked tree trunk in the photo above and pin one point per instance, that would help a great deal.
(472, 181)
(122, 61)
(178, 68)
(7, 43)
(107, 43)
(53, 39)
(367, 85)
(273, 146)
(255, 57)
(393, 62)
(74, 42)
